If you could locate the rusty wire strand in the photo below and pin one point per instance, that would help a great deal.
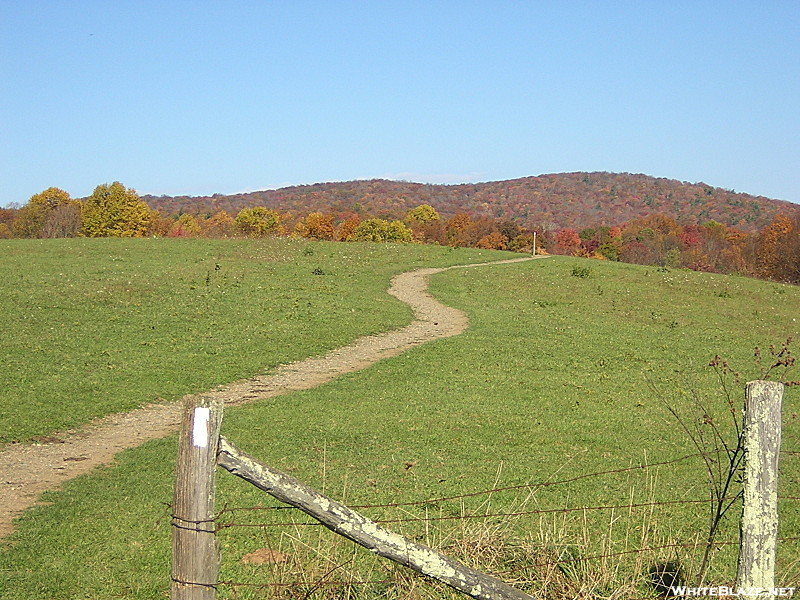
(483, 492)
(484, 515)
(322, 583)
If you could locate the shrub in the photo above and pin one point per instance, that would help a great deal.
(581, 271)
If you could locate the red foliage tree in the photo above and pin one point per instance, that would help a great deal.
(567, 242)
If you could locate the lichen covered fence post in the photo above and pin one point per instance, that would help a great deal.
(762, 443)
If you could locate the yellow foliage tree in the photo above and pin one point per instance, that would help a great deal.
(51, 213)
(258, 221)
(185, 226)
(114, 211)
(423, 214)
(380, 230)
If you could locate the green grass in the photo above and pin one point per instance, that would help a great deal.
(549, 382)
(106, 325)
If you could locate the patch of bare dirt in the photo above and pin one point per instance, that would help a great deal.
(27, 470)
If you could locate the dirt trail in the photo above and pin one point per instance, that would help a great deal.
(28, 470)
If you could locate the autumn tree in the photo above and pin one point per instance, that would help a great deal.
(774, 250)
(316, 226)
(790, 249)
(425, 223)
(159, 224)
(219, 225)
(493, 241)
(422, 214)
(610, 243)
(185, 226)
(660, 223)
(456, 230)
(7, 216)
(347, 228)
(510, 229)
(114, 211)
(63, 221)
(257, 221)
(51, 213)
(637, 252)
(380, 230)
(568, 241)
(522, 243)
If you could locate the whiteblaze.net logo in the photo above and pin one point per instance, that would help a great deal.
(731, 591)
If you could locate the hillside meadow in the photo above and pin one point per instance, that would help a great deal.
(565, 371)
(106, 325)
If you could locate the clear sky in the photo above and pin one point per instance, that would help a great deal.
(193, 97)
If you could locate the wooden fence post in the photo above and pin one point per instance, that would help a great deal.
(195, 552)
(759, 529)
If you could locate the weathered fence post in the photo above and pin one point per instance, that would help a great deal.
(762, 440)
(195, 553)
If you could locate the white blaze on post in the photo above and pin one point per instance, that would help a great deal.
(202, 415)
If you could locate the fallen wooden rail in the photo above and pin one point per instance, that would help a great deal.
(356, 527)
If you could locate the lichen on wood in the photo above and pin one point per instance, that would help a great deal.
(363, 531)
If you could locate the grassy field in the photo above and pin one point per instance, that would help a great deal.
(106, 325)
(564, 371)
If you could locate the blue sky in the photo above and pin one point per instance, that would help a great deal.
(221, 97)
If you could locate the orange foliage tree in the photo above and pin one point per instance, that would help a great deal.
(567, 242)
(219, 225)
(347, 228)
(456, 230)
(776, 250)
(493, 241)
(316, 226)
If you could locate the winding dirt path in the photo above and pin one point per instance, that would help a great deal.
(28, 470)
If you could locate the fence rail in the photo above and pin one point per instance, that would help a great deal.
(195, 523)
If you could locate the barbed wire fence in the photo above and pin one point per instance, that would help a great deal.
(226, 518)
(305, 570)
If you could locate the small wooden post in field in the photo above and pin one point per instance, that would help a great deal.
(762, 441)
(195, 553)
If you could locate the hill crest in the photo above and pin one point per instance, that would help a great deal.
(550, 201)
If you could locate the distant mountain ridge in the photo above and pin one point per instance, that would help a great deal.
(551, 201)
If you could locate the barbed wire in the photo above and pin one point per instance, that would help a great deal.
(539, 511)
(482, 492)
(321, 582)
(638, 551)
(317, 583)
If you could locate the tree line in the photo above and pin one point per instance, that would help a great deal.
(114, 210)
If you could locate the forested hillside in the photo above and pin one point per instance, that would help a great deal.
(627, 218)
(548, 202)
